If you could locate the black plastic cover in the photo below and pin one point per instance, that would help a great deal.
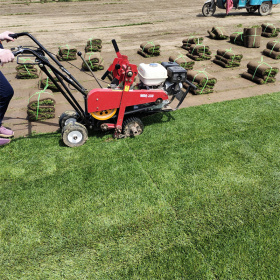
(176, 74)
(169, 64)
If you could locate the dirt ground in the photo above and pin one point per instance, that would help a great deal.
(130, 22)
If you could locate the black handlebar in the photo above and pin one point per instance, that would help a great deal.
(191, 84)
(115, 46)
(105, 75)
(16, 35)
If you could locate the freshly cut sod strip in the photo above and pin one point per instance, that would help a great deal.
(196, 196)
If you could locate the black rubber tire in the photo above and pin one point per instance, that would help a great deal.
(66, 116)
(265, 8)
(206, 11)
(74, 134)
(132, 123)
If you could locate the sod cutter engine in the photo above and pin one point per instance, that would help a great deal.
(121, 105)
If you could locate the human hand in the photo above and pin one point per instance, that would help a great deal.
(6, 56)
(5, 36)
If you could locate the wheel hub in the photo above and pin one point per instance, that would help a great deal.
(75, 137)
(73, 120)
(133, 130)
(104, 114)
(265, 8)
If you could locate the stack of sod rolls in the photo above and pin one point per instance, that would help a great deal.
(237, 38)
(191, 41)
(228, 58)
(66, 53)
(183, 61)
(202, 80)
(217, 33)
(272, 49)
(27, 71)
(94, 61)
(269, 30)
(252, 37)
(93, 45)
(149, 49)
(199, 52)
(46, 83)
(41, 110)
(260, 72)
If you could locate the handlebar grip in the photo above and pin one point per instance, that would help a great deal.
(115, 46)
(15, 53)
(105, 75)
(16, 35)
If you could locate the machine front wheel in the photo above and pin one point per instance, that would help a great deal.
(132, 127)
(265, 8)
(207, 11)
(67, 117)
(74, 134)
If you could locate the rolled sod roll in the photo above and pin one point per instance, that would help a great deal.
(66, 57)
(262, 69)
(267, 78)
(237, 38)
(23, 74)
(24, 67)
(199, 57)
(146, 55)
(201, 79)
(199, 49)
(271, 53)
(226, 63)
(252, 37)
(44, 109)
(48, 84)
(93, 66)
(193, 40)
(217, 33)
(150, 47)
(67, 53)
(93, 48)
(229, 54)
(269, 35)
(273, 46)
(270, 28)
(256, 79)
(93, 41)
(211, 34)
(93, 57)
(183, 61)
(94, 61)
(186, 47)
(199, 90)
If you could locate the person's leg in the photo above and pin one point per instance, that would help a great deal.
(6, 94)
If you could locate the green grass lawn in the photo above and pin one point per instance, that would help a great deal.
(196, 196)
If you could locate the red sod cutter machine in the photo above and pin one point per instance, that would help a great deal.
(118, 107)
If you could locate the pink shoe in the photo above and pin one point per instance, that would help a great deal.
(4, 141)
(5, 132)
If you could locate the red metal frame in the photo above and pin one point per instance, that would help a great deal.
(107, 99)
